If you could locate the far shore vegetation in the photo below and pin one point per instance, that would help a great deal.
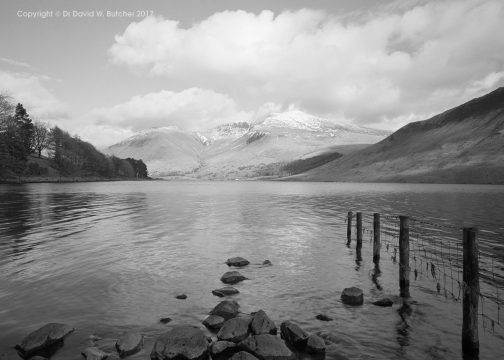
(32, 151)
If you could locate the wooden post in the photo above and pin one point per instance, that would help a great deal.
(376, 238)
(349, 228)
(404, 269)
(359, 230)
(470, 340)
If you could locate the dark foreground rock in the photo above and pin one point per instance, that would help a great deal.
(227, 309)
(352, 296)
(234, 330)
(181, 296)
(225, 291)
(183, 342)
(214, 322)
(237, 261)
(384, 302)
(130, 343)
(266, 347)
(243, 355)
(293, 334)
(93, 353)
(323, 317)
(223, 349)
(315, 345)
(165, 320)
(43, 340)
(232, 277)
(262, 324)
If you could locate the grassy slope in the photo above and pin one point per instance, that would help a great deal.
(461, 145)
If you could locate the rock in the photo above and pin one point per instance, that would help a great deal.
(225, 291)
(266, 347)
(243, 355)
(315, 345)
(384, 302)
(214, 322)
(293, 334)
(223, 349)
(165, 320)
(42, 339)
(234, 330)
(181, 296)
(38, 358)
(130, 343)
(227, 309)
(267, 263)
(93, 353)
(323, 317)
(262, 324)
(232, 277)
(237, 261)
(182, 342)
(352, 296)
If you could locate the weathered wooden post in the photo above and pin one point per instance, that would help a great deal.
(359, 230)
(349, 228)
(470, 340)
(376, 238)
(404, 269)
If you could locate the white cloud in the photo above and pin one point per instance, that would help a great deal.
(417, 58)
(32, 91)
(190, 109)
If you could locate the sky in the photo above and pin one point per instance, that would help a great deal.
(196, 64)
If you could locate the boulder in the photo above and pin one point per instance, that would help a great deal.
(225, 291)
(93, 353)
(227, 309)
(165, 320)
(223, 349)
(384, 302)
(234, 330)
(323, 317)
(181, 296)
(243, 355)
(232, 277)
(293, 334)
(237, 261)
(42, 339)
(266, 347)
(315, 345)
(214, 322)
(183, 342)
(267, 263)
(129, 343)
(262, 324)
(352, 296)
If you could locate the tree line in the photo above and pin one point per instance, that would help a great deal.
(23, 141)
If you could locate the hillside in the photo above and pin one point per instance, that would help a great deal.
(461, 145)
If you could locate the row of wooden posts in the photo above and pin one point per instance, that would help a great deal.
(470, 339)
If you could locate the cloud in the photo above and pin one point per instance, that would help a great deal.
(31, 90)
(190, 109)
(417, 58)
(15, 63)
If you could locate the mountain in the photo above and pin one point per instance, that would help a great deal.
(243, 150)
(461, 145)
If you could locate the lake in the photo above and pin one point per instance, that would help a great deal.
(109, 257)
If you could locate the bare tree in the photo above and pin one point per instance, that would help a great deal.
(6, 107)
(40, 137)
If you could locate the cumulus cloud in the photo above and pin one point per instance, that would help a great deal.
(32, 91)
(395, 63)
(189, 109)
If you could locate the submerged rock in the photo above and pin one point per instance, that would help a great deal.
(129, 344)
(223, 349)
(43, 339)
(266, 347)
(237, 261)
(267, 263)
(293, 334)
(315, 345)
(232, 277)
(243, 355)
(352, 296)
(323, 317)
(227, 309)
(234, 330)
(93, 353)
(384, 302)
(182, 342)
(225, 291)
(262, 324)
(165, 320)
(214, 322)
(181, 296)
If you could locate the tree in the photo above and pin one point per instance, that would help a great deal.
(40, 137)
(25, 127)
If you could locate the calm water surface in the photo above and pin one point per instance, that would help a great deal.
(106, 257)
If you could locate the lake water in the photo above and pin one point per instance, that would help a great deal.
(107, 257)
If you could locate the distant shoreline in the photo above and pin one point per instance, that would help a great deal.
(66, 179)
